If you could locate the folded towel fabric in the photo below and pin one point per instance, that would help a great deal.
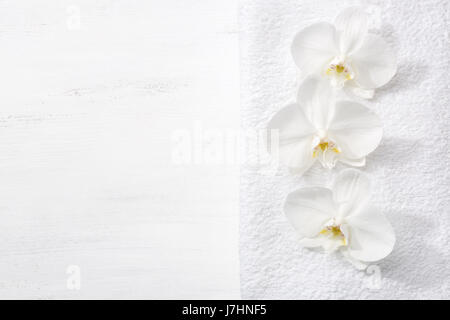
(410, 170)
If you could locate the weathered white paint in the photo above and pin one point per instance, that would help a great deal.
(90, 93)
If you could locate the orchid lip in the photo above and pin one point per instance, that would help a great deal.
(333, 231)
(339, 71)
(326, 150)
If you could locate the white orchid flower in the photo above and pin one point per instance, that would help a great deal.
(345, 53)
(317, 128)
(339, 219)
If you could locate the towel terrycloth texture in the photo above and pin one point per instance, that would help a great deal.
(410, 170)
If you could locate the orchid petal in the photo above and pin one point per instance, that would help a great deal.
(361, 162)
(351, 189)
(371, 235)
(363, 93)
(309, 209)
(329, 245)
(374, 62)
(356, 130)
(295, 134)
(316, 99)
(314, 47)
(351, 28)
(354, 91)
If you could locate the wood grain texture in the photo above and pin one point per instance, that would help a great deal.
(91, 92)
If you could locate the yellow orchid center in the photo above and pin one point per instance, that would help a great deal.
(324, 146)
(339, 72)
(334, 232)
(340, 68)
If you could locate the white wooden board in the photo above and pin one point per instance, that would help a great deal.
(91, 93)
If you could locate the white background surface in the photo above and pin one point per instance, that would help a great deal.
(86, 118)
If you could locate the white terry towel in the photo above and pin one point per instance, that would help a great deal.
(410, 170)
